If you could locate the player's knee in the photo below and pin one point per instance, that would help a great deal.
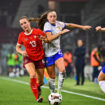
(52, 76)
(62, 70)
(40, 81)
(33, 75)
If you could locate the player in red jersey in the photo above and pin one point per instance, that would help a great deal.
(33, 55)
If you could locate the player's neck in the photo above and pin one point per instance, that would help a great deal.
(28, 32)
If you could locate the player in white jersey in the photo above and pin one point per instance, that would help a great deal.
(101, 77)
(53, 55)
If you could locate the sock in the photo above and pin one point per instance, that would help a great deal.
(39, 91)
(102, 85)
(34, 87)
(60, 80)
(52, 85)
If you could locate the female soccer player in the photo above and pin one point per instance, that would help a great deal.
(33, 55)
(101, 77)
(53, 55)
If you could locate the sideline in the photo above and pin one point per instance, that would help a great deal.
(65, 91)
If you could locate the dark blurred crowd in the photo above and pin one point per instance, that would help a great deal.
(75, 62)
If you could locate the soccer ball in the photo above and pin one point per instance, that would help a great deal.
(55, 98)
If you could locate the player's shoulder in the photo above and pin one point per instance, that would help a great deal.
(37, 30)
(21, 33)
(59, 22)
(47, 23)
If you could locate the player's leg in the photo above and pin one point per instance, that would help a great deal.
(30, 67)
(101, 79)
(49, 62)
(40, 75)
(52, 75)
(61, 67)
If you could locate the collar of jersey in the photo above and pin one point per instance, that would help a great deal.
(28, 33)
(53, 24)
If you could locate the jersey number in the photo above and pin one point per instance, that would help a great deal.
(33, 43)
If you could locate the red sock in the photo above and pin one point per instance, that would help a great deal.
(34, 87)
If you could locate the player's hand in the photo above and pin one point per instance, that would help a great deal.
(86, 27)
(24, 53)
(65, 31)
(43, 38)
(98, 28)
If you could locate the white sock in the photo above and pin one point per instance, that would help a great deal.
(102, 85)
(61, 79)
(52, 85)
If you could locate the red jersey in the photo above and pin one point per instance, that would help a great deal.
(32, 44)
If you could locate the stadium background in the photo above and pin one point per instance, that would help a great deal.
(84, 12)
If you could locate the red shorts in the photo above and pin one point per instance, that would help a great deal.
(38, 64)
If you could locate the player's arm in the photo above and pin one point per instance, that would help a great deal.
(99, 28)
(51, 37)
(18, 49)
(71, 25)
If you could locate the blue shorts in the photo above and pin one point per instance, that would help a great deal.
(51, 60)
(103, 69)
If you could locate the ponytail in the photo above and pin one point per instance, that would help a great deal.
(42, 20)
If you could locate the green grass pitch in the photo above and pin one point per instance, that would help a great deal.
(15, 93)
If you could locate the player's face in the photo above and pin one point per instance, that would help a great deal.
(52, 16)
(25, 24)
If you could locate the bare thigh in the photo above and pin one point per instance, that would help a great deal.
(60, 64)
(30, 67)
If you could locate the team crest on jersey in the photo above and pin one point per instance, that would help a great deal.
(34, 36)
(26, 39)
(59, 28)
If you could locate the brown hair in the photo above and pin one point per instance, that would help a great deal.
(42, 20)
(24, 17)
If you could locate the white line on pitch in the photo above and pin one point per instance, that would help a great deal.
(65, 91)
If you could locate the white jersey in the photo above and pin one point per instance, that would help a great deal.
(53, 47)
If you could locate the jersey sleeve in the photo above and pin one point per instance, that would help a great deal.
(20, 42)
(62, 24)
(47, 27)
